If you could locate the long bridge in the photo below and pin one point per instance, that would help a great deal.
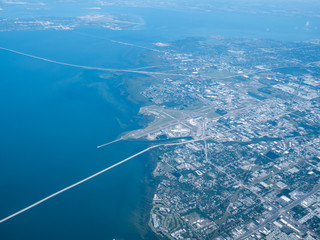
(89, 178)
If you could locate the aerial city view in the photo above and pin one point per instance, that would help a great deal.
(148, 119)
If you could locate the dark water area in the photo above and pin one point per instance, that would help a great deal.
(52, 118)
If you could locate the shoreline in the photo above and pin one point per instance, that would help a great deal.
(141, 215)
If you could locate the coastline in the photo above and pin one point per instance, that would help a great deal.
(144, 210)
(141, 216)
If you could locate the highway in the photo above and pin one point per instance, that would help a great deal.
(134, 45)
(275, 215)
(95, 68)
(90, 177)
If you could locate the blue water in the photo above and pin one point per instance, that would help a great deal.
(52, 118)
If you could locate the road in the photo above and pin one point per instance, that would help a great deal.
(95, 68)
(279, 212)
(91, 177)
(134, 45)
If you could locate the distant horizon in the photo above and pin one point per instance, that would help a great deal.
(159, 119)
